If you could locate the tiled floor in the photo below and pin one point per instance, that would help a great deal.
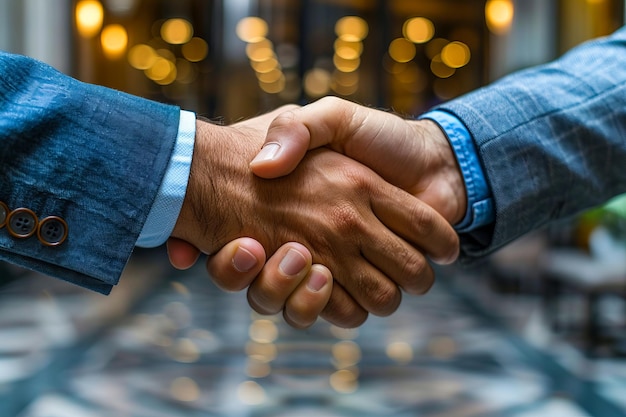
(186, 349)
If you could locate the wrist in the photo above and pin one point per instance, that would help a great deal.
(446, 188)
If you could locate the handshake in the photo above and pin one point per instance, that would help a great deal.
(350, 202)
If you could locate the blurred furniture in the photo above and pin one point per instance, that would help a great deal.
(591, 276)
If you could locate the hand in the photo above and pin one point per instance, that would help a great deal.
(344, 230)
(301, 296)
(412, 154)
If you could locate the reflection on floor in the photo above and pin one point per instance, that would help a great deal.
(179, 347)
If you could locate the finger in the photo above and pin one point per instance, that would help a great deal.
(416, 222)
(182, 255)
(342, 310)
(309, 299)
(237, 264)
(285, 145)
(293, 132)
(402, 264)
(282, 274)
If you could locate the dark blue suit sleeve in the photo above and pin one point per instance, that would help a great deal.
(93, 156)
(552, 140)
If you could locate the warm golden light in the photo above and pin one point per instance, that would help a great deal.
(252, 29)
(142, 57)
(344, 381)
(275, 87)
(185, 389)
(351, 28)
(263, 331)
(269, 77)
(346, 354)
(499, 15)
(251, 393)
(89, 17)
(401, 50)
(257, 368)
(265, 66)
(262, 351)
(418, 30)
(317, 82)
(195, 50)
(176, 31)
(346, 65)
(401, 352)
(440, 69)
(114, 40)
(348, 50)
(455, 54)
(260, 51)
(160, 70)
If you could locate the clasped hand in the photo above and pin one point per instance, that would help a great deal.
(357, 214)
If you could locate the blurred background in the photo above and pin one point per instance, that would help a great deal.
(535, 330)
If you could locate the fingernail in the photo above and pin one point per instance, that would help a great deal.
(292, 263)
(317, 281)
(267, 152)
(244, 260)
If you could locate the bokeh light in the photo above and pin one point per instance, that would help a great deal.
(418, 30)
(252, 29)
(317, 82)
(440, 69)
(114, 40)
(185, 389)
(402, 50)
(176, 31)
(344, 381)
(499, 15)
(251, 393)
(195, 50)
(400, 352)
(142, 57)
(455, 54)
(351, 28)
(263, 331)
(89, 18)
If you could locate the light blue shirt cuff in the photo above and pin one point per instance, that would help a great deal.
(169, 200)
(480, 208)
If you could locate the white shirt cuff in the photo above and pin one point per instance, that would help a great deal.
(169, 200)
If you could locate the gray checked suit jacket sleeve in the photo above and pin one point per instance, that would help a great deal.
(90, 155)
(552, 139)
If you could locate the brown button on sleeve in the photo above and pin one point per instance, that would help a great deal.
(22, 223)
(4, 213)
(52, 231)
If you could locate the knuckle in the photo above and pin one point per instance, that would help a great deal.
(345, 217)
(344, 314)
(386, 300)
(261, 303)
(423, 219)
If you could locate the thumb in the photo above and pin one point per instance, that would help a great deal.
(286, 143)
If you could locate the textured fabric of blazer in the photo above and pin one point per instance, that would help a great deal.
(92, 156)
(552, 139)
